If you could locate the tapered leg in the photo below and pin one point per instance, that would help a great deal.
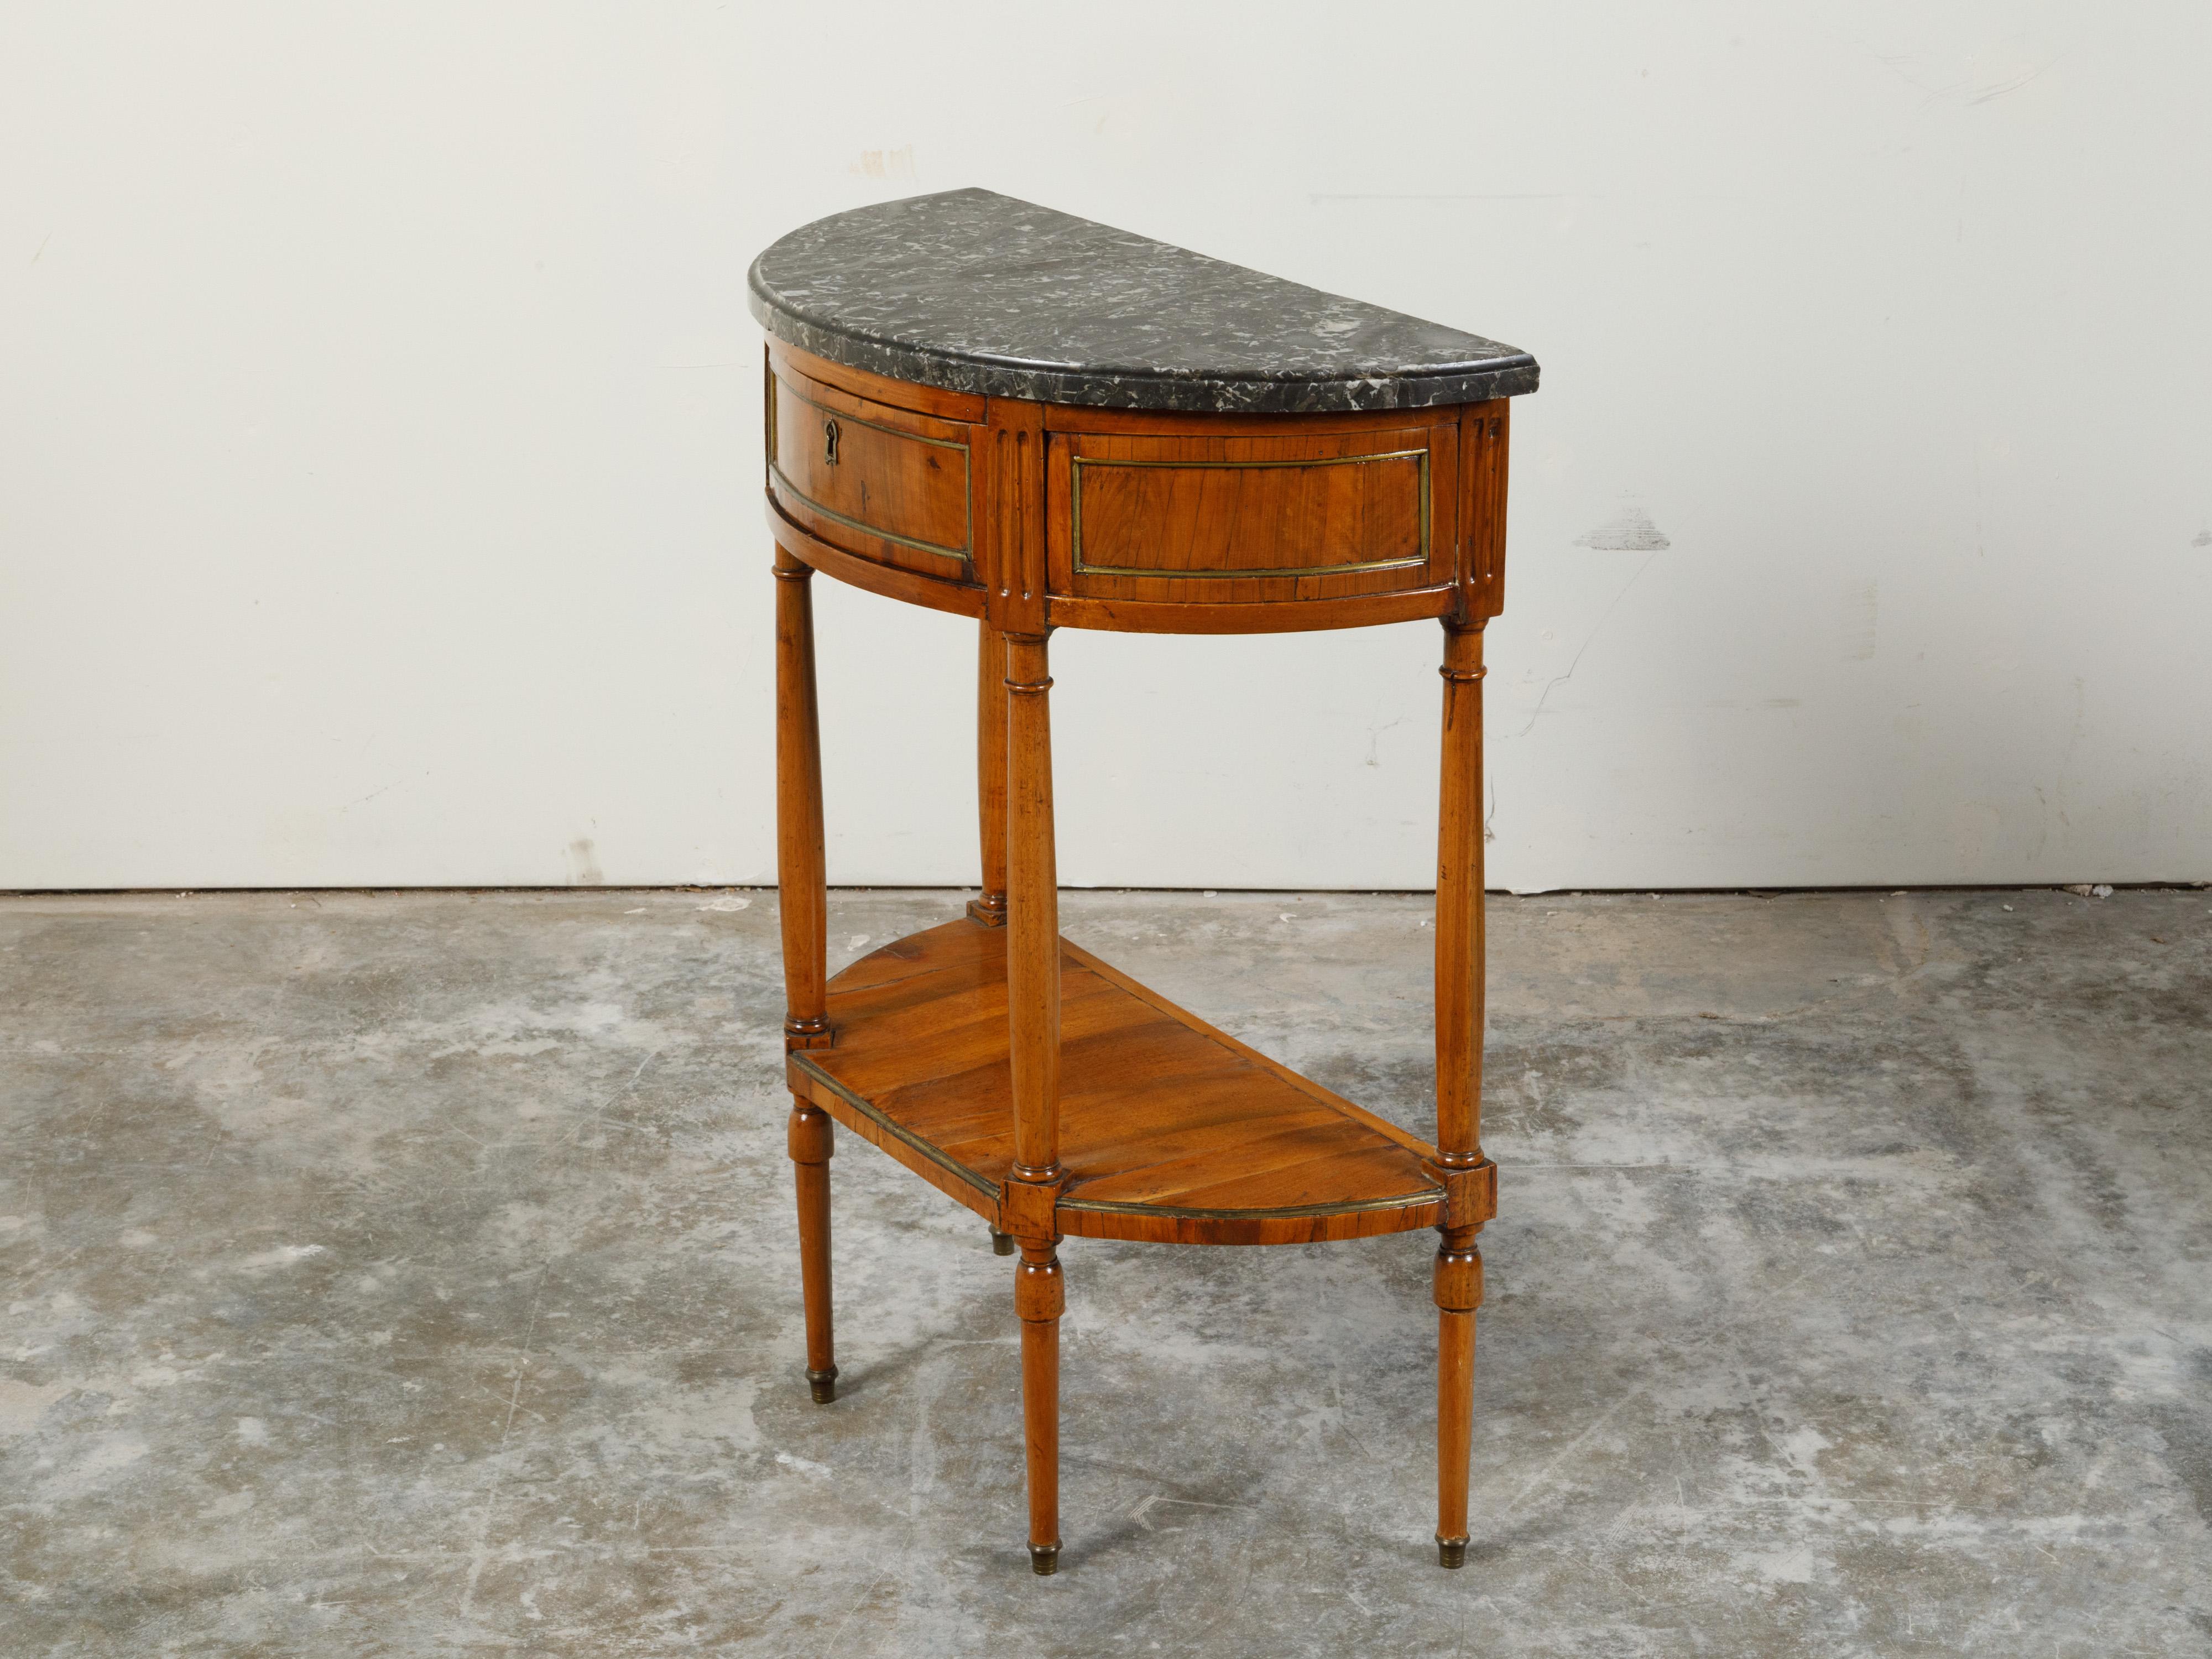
(990, 909)
(803, 895)
(1467, 1176)
(1026, 1205)
(802, 898)
(1459, 905)
(1039, 1298)
(812, 1144)
(1032, 922)
(1458, 1288)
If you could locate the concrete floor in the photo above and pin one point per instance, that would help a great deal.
(415, 1276)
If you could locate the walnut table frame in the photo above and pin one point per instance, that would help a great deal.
(1232, 466)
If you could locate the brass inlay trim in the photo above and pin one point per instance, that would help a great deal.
(962, 552)
(898, 1130)
(1291, 1211)
(1077, 463)
(959, 555)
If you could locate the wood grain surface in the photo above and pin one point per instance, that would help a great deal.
(1211, 519)
(1169, 1130)
(881, 480)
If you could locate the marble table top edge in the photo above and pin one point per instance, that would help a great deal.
(971, 291)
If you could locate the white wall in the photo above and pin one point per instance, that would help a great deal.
(379, 407)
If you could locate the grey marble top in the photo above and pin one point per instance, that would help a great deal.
(974, 291)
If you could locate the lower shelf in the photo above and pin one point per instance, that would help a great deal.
(1170, 1130)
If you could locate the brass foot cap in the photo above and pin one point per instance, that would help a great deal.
(1002, 1244)
(1044, 1559)
(825, 1384)
(1451, 1552)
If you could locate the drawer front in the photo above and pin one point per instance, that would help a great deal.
(886, 483)
(1230, 519)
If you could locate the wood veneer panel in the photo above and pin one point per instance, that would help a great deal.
(1253, 519)
(1167, 1129)
(884, 482)
(963, 599)
(897, 483)
(1223, 522)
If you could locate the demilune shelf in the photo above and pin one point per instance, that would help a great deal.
(1170, 1131)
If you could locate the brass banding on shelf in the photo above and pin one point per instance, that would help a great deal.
(1286, 1213)
(892, 1126)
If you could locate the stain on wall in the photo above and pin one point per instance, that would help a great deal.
(1862, 616)
(1629, 531)
(584, 864)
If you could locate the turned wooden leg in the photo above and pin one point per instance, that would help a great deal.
(812, 1144)
(990, 909)
(1458, 1288)
(1027, 1202)
(1033, 919)
(803, 894)
(803, 900)
(1469, 1178)
(1039, 1298)
(1459, 905)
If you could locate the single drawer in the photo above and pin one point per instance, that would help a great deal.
(886, 483)
(1230, 519)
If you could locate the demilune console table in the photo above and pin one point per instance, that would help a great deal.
(990, 408)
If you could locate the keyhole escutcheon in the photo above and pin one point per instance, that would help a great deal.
(830, 442)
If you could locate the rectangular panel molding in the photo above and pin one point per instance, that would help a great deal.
(1331, 515)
